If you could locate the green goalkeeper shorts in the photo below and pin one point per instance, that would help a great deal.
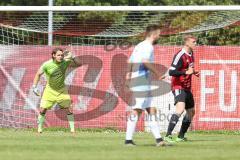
(51, 97)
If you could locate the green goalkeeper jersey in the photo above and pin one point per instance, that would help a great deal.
(55, 74)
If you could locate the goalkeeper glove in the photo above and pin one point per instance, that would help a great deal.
(68, 55)
(36, 90)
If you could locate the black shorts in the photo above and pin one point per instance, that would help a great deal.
(183, 96)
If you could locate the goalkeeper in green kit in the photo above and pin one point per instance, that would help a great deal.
(55, 91)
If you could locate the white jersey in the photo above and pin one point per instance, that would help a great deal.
(144, 51)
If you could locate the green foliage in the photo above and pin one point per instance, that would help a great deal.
(187, 20)
(200, 2)
(102, 17)
(23, 3)
(146, 2)
(118, 2)
(179, 22)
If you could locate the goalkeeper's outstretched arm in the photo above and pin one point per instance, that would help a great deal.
(75, 61)
(36, 80)
(37, 77)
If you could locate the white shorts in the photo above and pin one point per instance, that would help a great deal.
(141, 85)
(142, 103)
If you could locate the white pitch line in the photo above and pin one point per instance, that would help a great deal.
(207, 119)
(219, 61)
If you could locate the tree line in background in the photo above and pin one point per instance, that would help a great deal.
(224, 36)
(118, 2)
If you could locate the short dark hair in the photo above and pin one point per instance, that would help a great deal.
(151, 28)
(54, 51)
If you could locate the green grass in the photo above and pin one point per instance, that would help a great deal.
(108, 144)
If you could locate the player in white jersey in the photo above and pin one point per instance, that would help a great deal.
(140, 65)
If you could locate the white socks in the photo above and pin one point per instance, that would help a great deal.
(131, 126)
(132, 122)
(153, 124)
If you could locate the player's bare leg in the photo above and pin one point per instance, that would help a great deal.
(131, 126)
(154, 127)
(41, 119)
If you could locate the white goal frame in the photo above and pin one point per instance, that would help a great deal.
(122, 8)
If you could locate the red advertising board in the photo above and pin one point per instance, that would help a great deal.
(216, 91)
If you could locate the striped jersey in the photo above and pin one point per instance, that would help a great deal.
(181, 62)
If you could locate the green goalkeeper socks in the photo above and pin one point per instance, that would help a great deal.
(41, 119)
(70, 118)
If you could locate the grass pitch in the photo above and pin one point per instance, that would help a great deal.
(109, 145)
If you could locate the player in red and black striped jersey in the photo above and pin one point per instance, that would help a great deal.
(181, 70)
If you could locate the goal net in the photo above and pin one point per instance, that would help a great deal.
(104, 41)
